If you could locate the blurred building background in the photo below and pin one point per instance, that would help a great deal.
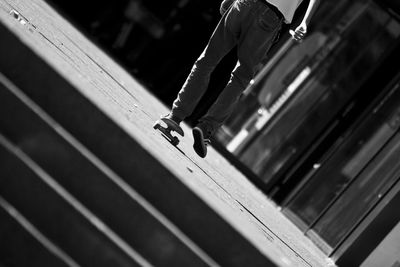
(317, 129)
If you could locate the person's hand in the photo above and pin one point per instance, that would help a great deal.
(225, 5)
(299, 33)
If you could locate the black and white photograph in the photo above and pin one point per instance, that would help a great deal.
(200, 133)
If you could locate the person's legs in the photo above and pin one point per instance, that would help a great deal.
(221, 42)
(258, 33)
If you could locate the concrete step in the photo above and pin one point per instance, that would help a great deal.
(56, 214)
(90, 181)
(23, 245)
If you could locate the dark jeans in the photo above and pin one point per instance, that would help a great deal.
(253, 27)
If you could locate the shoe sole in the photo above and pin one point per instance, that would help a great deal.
(198, 145)
(174, 126)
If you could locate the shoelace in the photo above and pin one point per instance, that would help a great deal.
(207, 140)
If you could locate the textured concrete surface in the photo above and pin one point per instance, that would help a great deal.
(134, 109)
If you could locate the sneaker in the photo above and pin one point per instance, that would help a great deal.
(173, 124)
(201, 137)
